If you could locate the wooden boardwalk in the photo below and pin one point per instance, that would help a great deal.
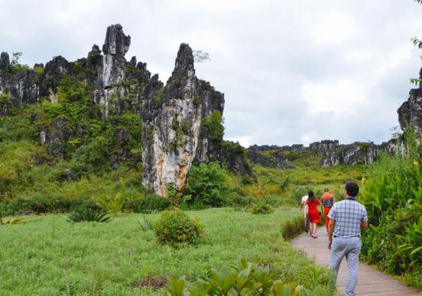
(370, 281)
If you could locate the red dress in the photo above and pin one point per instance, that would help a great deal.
(313, 214)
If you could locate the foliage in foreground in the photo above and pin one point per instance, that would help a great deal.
(246, 279)
(175, 228)
(393, 199)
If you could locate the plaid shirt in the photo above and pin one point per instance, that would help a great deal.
(348, 215)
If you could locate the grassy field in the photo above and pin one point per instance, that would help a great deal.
(50, 256)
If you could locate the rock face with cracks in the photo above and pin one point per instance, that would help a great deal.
(173, 135)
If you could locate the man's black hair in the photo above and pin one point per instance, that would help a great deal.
(352, 188)
(326, 190)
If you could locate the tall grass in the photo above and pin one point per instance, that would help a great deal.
(392, 196)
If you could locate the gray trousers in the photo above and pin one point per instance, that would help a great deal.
(349, 248)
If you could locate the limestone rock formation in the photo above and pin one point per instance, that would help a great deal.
(331, 152)
(173, 134)
(410, 112)
(182, 120)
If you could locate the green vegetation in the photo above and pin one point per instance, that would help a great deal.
(293, 228)
(393, 199)
(15, 66)
(176, 229)
(112, 258)
(214, 124)
(262, 209)
(207, 186)
(33, 179)
(89, 215)
(246, 279)
(12, 221)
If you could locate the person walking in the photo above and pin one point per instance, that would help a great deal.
(327, 202)
(347, 219)
(305, 212)
(313, 214)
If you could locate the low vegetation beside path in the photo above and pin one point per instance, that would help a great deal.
(50, 256)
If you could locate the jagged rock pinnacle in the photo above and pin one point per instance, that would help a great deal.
(184, 60)
(116, 42)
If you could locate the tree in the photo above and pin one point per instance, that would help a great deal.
(15, 65)
(202, 56)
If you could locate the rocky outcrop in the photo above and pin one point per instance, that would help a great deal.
(57, 137)
(410, 112)
(330, 151)
(271, 162)
(178, 118)
(4, 70)
(172, 131)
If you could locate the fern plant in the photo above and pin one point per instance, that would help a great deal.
(114, 203)
(89, 215)
(145, 224)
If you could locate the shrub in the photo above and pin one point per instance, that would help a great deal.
(246, 279)
(292, 228)
(214, 124)
(207, 185)
(89, 215)
(175, 228)
(149, 203)
(262, 209)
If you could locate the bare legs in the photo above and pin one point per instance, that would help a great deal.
(313, 229)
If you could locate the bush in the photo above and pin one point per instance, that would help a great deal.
(175, 228)
(207, 185)
(292, 228)
(149, 203)
(246, 279)
(262, 209)
(214, 124)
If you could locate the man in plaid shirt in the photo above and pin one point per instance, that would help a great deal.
(347, 218)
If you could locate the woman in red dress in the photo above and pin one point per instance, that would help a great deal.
(313, 214)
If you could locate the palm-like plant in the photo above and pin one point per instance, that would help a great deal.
(89, 215)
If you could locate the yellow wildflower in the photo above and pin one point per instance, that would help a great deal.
(415, 163)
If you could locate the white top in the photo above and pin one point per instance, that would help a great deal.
(305, 207)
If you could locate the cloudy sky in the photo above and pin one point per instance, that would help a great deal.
(292, 71)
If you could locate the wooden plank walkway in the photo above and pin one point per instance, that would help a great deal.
(370, 282)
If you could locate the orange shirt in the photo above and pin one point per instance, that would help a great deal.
(327, 199)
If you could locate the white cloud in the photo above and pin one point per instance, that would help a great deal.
(336, 98)
(396, 59)
(244, 141)
(279, 62)
(359, 55)
(332, 28)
